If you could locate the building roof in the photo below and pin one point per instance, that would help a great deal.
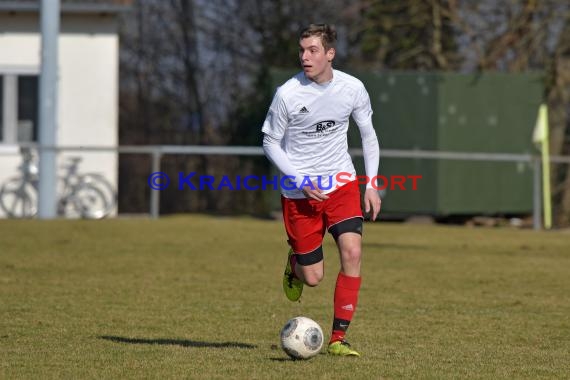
(68, 6)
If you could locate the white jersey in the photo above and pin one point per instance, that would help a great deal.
(310, 122)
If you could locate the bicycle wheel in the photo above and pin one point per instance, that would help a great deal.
(100, 182)
(18, 199)
(86, 201)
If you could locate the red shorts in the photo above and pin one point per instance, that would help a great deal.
(307, 220)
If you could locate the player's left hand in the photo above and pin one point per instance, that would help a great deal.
(372, 203)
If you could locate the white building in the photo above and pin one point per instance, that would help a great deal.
(87, 82)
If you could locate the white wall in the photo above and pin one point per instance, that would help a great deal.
(88, 83)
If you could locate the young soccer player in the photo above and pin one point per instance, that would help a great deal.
(305, 136)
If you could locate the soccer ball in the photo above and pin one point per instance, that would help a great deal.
(301, 338)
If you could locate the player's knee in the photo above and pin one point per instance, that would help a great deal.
(312, 266)
(313, 278)
(352, 255)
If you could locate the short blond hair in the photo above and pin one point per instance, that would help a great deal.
(326, 32)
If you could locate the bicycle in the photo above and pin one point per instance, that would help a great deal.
(87, 195)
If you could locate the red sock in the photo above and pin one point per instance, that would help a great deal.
(345, 300)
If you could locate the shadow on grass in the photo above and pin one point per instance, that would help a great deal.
(177, 342)
(283, 359)
(290, 359)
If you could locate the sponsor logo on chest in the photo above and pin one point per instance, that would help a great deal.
(322, 128)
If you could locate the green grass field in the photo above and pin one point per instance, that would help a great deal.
(200, 297)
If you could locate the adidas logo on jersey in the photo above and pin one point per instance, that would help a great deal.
(304, 110)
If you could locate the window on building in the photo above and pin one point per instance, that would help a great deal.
(18, 108)
(1, 109)
(27, 108)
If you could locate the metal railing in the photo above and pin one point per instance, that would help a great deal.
(157, 151)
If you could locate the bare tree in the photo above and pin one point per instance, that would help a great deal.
(411, 34)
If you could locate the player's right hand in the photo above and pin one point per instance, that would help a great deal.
(313, 192)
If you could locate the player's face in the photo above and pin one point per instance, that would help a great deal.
(316, 62)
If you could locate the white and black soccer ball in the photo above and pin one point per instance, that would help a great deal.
(301, 338)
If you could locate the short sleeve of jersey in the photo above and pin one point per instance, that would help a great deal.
(276, 120)
(362, 112)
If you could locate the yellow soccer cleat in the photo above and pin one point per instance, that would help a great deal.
(292, 286)
(341, 348)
